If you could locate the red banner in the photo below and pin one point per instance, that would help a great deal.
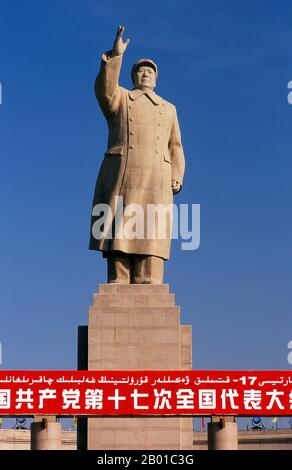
(103, 393)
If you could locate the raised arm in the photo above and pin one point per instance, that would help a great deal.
(107, 81)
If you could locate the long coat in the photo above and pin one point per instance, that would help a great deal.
(144, 155)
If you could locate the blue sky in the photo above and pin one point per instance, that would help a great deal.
(226, 66)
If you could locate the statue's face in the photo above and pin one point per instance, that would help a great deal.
(145, 78)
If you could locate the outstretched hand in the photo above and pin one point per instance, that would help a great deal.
(120, 46)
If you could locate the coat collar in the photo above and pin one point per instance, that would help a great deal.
(136, 93)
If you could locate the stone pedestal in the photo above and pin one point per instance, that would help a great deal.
(222, 433)
(45, 434)
(135, 327)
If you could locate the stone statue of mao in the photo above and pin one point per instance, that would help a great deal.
(143, 167)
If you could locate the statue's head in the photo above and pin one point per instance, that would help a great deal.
(144, 74)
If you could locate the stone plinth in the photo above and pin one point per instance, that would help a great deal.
(136, 327)
(222, 433)
(46, 434)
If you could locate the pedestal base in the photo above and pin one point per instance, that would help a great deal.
(136, 327)
(45, 434)
(222, 433)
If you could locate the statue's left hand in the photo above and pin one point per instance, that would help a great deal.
(175, 186)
